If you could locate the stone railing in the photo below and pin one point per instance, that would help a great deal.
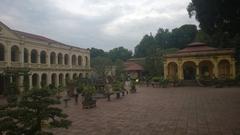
(3, 64)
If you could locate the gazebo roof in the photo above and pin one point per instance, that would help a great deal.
(132, 66)
(199, 48)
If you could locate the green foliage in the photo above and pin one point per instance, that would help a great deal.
(27, 115)
(117, 86)
(165, 39)
(88, 92)
(216, 15)
(120, 53)
(154, 64)
(101, 64)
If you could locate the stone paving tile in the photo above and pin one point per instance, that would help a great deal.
(158, 111)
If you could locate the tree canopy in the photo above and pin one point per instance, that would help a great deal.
(216, 16)
(164, 39)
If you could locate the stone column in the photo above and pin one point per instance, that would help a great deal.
(165, 70)
(21, 60)
(21, 83)
(30, 81)
(39, 81)
(215, 69)
(49, 78)
(197, 72)
(233, 69)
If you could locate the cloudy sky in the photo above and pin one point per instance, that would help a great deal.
(101, 24)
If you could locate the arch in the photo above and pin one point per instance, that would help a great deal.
(87, 75)
(52, 58)
(25, 55)
(43, 57)
(66, 59)
(2, 52)
(205, 69)
(15, 53)
(79, 60)
(44, 80)
(60, 58)
(189, 70)
(67, 78)
(172, 70)
(224, 69)
(54, 79)
(60, 79)
(86, 61)
(80, 75)
(34, 55)
(74, 76)
(35, 80)
(74, 59)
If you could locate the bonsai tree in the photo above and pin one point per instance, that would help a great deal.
(87, 93)
(133, 86)
(27, 115)
(117, 88)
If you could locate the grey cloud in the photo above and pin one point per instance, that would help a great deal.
(46, 18)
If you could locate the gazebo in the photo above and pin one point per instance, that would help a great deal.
(133, 69)
(199, 61)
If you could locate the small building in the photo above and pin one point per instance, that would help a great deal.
(133, 69)
(199, 61)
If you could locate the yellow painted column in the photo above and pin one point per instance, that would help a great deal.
(233, 70)
(165, 70)
(180, 71)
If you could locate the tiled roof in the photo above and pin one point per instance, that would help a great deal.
(35, 37)
(197, 47)
(132, 66)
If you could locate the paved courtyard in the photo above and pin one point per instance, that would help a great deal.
(157, 111)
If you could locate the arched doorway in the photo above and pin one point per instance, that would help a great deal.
(189, 70)
(66, 59)
(79, 60)
(2, 84)
(44, 80)
(224, 69)
(172, 70)
(60, 79)
(86, 61)
(2, 53)
(54, 79)
(60, 59)
(74, 60)
(53, 58)
(67, 78)
(43, 57)
(80, 75)
(74, 76)
(15, 54)
(35, 80)
(205, 69)
(34, 56)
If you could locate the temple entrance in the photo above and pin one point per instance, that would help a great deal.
(189, 70)
(206, 69)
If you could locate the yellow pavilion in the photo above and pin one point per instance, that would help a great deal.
(199, 61)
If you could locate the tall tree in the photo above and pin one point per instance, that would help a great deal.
(120, 53)
(146, 46)
(216, 16)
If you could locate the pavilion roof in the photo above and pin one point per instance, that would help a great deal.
(132, 66)
(199, 48)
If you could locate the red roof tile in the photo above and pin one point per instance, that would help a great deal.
(196, 47)
(132, 66)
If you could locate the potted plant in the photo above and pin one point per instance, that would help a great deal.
(87, 93)
(117, 88)
(133, 86)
